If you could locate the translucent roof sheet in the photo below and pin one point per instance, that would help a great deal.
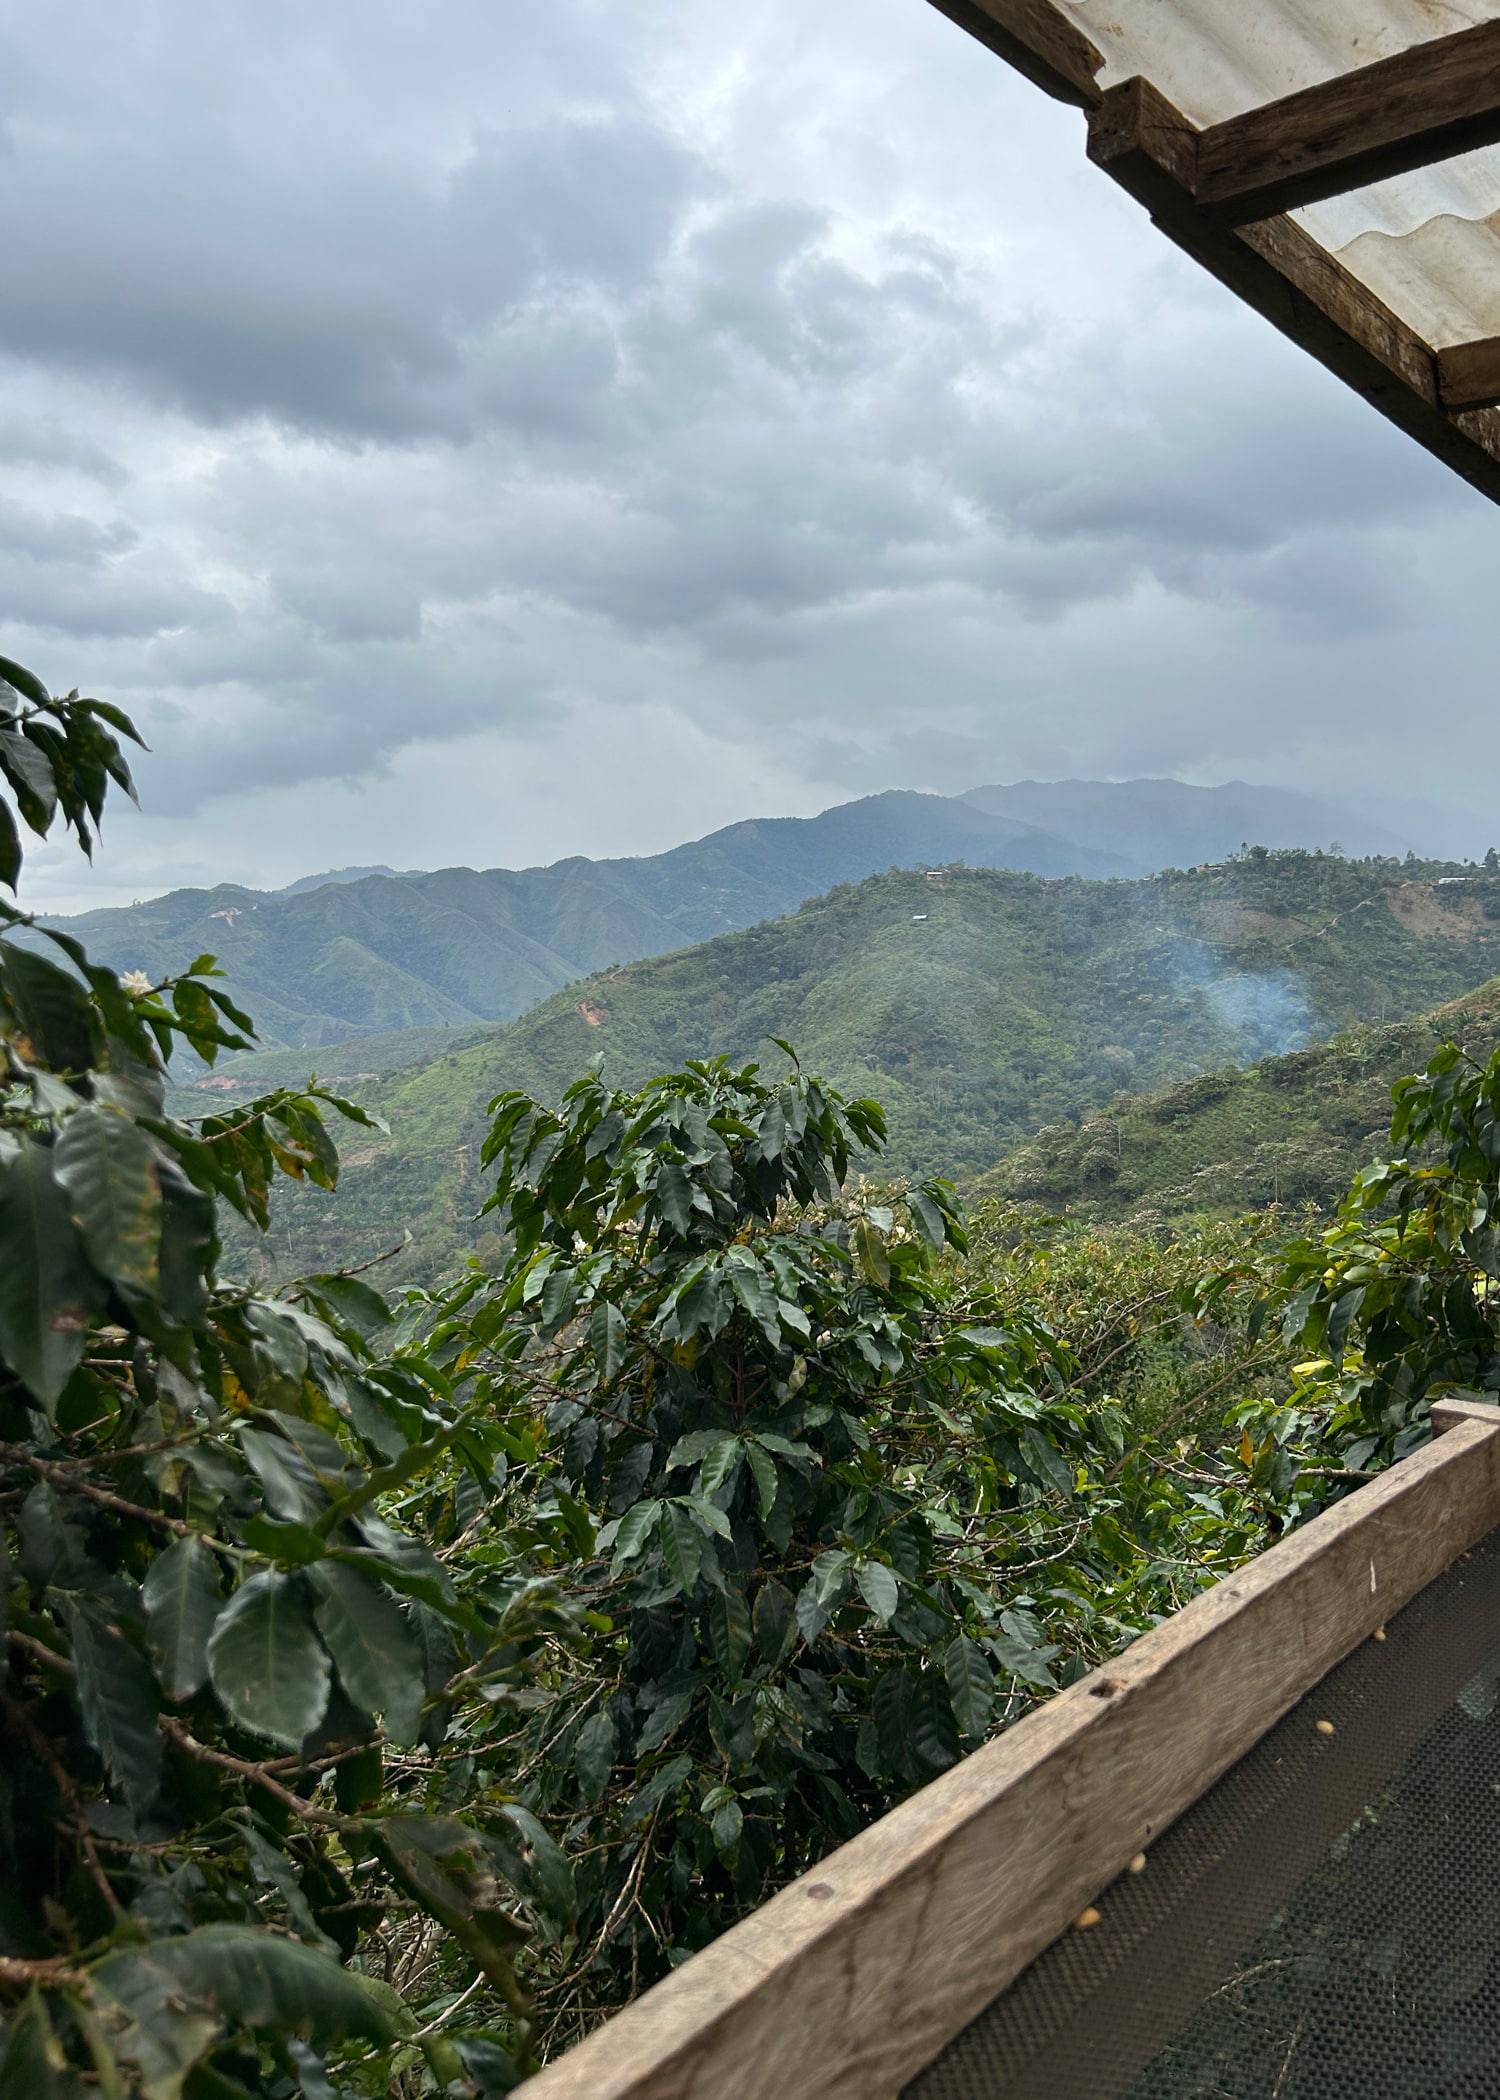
(1426, 244)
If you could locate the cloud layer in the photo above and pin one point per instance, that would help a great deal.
(464, 433)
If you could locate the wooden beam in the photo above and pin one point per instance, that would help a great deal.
(1152, 150)
(1469, 374)
(1038, 40)
(1453, 1412)
(1437, 99)
(851, 1980)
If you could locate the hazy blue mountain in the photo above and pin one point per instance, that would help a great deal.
(1170, 824)
(380, 952)
(316, 882)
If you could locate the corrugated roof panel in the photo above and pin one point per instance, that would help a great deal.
(1217, 58)
(1422, 246)
(1426, 243)
(1443, 277)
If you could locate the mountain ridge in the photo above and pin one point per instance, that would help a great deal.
(978, 1005)
(350, 953)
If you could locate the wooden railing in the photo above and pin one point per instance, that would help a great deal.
(852, 1979)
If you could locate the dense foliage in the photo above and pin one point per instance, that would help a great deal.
(1398, 1300)
(1290, 1132)
(215, 1860)
(387, 1693)
(843, 1499)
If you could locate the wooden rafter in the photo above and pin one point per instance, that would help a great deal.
(1405, 112)
(1277, 267)
(1214, 191)
(1469, 374)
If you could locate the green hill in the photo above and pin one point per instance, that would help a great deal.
(382, 952)
(364, 951)
(979, 1006)
(1291, 1130)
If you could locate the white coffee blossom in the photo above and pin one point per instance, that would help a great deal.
(137, 983)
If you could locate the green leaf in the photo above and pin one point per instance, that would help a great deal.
(720, 1461)
(29, 770)
(774, 1614)
(1045, 1460)
(934, 1736)
(48, 1294)
(971, 1687)
(830, 1574)
(709, 1515)
(594, 1754)
(26, 683)
(267, 1664)
(10, 848)
(175, 1997)
(106, 1165)
(667, 1781)
(664, 1719)
(674, 1195)
(690, 1449)
(52, 1007)
(294, 1545)
(183, 1599)
(812, 1613)
(727, 1825)
(352, 1302)
(874, 1259)
(879, 1588)
(33, 2065)
(636, 1527)
(763, 1472)
(1023, 1660)
(926, 1216)
(702, 1308)
(894, 1706)
(608, 1335)
(729, 1629)
(682, 1548)
(373, 1648)
(118, 1703)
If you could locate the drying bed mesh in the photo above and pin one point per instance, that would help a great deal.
(1323, 1925)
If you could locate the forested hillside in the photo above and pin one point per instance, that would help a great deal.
(368, 951)
(978, 1006)
(1291, 1130)
(443, 950)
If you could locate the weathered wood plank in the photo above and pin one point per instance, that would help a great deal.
(1035, 38)
(1452, 1414)
(1437, 99)
(848, 1982)
(1137, 137)
(1469, 374)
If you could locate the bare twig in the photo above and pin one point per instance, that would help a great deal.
(52, 1975)
(40, 1652)
(177, 1732)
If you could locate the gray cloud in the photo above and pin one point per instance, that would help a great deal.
(397, 379)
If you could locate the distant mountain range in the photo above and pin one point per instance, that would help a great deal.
(978, 1005)
(358, 952)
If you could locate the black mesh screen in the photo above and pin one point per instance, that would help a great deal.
(1324, 1922)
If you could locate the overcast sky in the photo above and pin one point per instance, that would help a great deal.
(488, 430)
